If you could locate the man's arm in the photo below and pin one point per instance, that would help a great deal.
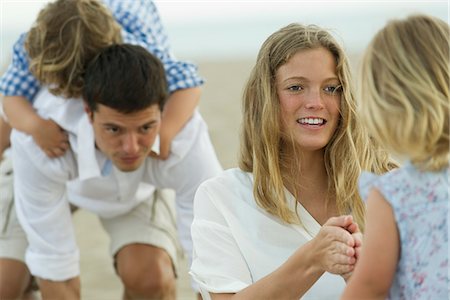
(192, 161)
(44, 213)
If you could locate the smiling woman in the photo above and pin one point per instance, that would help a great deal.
(307, 88)
(285, 224)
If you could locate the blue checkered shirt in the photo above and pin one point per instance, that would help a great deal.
(141, 25)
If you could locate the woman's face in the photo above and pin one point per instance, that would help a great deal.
(309, 93)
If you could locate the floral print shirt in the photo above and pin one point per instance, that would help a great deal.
(420, 201)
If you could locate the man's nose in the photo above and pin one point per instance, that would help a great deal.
(130, 143)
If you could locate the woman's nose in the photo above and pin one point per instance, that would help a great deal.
(314, 99)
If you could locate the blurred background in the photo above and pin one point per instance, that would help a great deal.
(222, 38)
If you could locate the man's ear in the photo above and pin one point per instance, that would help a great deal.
(88, 112)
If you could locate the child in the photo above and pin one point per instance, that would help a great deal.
(134, 22)
(65, 37)
(405, 103)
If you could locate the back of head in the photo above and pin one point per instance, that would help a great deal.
(126, 78)
(405, 89)
(65, 37)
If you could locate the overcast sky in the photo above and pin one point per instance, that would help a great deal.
(228, 28)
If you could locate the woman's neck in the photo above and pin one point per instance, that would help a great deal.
(307, 169)
(311, 186)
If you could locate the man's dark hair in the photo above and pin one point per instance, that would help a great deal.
(126, 78)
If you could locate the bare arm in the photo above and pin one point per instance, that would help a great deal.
(177, 112)
(5, 132)
(331, 250)
(46, 133)
(375, 270)
(69, 289)
(20, 114)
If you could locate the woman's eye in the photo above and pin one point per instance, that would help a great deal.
(295, 88)
(333, 89)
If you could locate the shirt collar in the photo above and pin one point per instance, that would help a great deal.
(90, 161)
(308, 223)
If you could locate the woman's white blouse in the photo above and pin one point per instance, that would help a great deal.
(236, 243)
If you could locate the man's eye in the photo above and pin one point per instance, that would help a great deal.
(112, 129)
(333, 89)
(146, 128)
(295, 88)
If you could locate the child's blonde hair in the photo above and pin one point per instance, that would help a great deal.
(65, 37)
(405, 90)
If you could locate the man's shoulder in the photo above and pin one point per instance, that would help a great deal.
(195, 131)
(67, 113)
(30, 159)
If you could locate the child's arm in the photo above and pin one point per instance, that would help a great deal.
(375, 270)
(5, 131)
(19, 87)
(46, 133)
(177, 111)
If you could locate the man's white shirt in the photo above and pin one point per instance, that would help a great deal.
(44, 186)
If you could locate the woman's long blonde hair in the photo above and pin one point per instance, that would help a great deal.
(262, 144)
(405, 98)
(65, 37)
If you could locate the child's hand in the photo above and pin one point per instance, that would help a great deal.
(164, 147)
(51, 138)
(165, 141)
(357, 237)
(353, 228)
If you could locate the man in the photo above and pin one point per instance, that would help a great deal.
(108, 171)
(65, 37)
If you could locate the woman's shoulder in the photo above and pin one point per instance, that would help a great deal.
(230, 179)
(230, 188)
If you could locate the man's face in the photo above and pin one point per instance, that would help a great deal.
(126, 139)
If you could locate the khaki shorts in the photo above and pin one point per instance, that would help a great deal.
(151, 222)
(13, 241)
